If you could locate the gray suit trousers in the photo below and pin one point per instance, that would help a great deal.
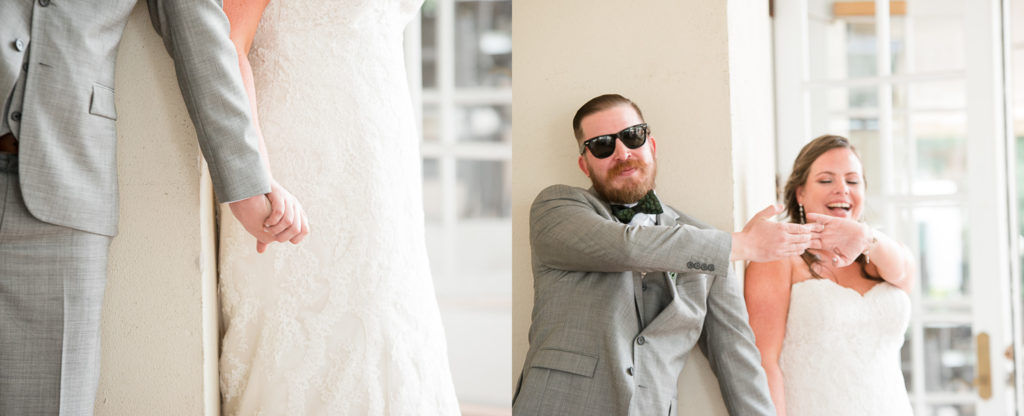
(51, 290)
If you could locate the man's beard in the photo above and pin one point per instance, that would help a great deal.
(629, 192)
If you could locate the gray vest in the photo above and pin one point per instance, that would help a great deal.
(11, 121)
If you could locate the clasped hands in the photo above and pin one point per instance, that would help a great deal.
(765, 240)
(275, 217)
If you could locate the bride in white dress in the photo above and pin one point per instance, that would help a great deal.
(347, 323)
(830, 325)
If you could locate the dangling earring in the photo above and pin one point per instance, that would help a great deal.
(803, 219)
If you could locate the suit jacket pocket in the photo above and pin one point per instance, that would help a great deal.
(102, 102)
(567, 361)
(558, 382)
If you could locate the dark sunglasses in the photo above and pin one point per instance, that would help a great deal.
(603, 146)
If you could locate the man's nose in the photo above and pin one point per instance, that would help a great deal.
(621, 151)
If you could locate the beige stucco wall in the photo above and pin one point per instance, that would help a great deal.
(673, 58)
(162, 264)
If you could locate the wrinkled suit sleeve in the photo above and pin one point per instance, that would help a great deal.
(728, 343)
(195, 33)
(567, 233)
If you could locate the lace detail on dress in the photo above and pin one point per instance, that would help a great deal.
(346, 323)
(841, 352)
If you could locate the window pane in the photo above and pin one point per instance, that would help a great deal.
(907, 361)
(483, 43)
(483, 123)
(949, 359)
(432, 192)
(839, 48)
(428, 39)
(844, 47)
(931, 95)
(941, 147)
(942, 265)
(431, 123)
(951, 410)
(925, 36)
(481, 189)
(934, 36)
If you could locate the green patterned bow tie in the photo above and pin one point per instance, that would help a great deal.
(649, 204)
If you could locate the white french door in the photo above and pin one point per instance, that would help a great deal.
(919, 87)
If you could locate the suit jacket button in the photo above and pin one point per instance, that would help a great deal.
(629, 371)
(44, 3)
(16, 116)
(641, 340)
(689, 265)
(711, 267)
(19, 45)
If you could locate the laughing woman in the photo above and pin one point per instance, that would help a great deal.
(830, 324)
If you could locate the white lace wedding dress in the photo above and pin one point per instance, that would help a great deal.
(841, 352)
(346, 323)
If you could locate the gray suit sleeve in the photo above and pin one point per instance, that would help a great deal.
(566, 233)
(196, 35)
(728, 342)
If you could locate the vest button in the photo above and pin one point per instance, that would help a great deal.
(44, 3)
(16, 116)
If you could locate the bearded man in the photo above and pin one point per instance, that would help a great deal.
(625, 286)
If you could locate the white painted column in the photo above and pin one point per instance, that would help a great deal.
(159, 314)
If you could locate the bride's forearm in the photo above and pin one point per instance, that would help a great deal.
(892, 261)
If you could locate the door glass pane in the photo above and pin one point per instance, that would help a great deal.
(483, 42)
(949, 358)
(941, 148)
(942, 265)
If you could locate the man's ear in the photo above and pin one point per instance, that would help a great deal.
(583, 166)
(654, 145)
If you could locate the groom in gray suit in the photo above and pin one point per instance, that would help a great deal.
(58, 185)
(624, 286)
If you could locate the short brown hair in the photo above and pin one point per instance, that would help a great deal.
(597, 104)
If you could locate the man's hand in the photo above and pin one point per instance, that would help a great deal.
(764, 240)
(252, 213)
(277, 216)
(843, 238)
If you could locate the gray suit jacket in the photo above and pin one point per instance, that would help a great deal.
(618, 308)
(66, 130)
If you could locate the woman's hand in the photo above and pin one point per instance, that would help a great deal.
(287, 220)
(844, 239)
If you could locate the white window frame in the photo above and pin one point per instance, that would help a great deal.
(447, 151)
